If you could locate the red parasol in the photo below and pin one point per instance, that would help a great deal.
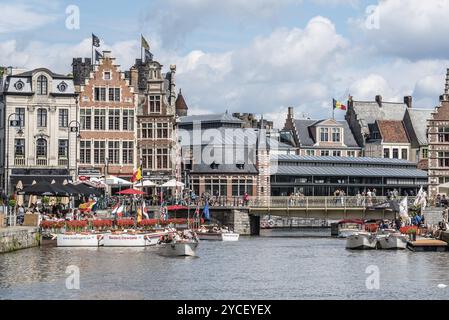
(176, 208)
(131, 192)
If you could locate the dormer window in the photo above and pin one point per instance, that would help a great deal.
(42, 85)
(324, 134)
(62, 87)
(336, 134)
(19, 85)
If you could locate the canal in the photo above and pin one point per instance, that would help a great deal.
(277, 265)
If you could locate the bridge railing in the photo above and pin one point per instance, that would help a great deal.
(322, 202)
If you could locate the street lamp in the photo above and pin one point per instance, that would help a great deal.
(11, 123)
(74, 129)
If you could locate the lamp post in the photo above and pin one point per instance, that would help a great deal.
(10, 123)
(74, 129)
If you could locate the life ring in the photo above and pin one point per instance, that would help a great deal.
(271, 223)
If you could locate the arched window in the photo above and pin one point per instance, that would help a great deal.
(42, 85)
(41, 117)
(41, 148)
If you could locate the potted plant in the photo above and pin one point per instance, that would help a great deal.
(412, 233)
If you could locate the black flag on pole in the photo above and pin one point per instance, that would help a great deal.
(95, 41)
(98, 55)
(148, 55)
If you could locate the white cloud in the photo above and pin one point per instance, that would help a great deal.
(410, 28)
(22, 17)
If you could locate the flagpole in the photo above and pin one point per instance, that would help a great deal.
(92, 52)
(141, 55)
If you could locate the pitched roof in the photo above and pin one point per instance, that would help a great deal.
(392, 131)
(417, 128)
(306, 138)
(180, 102)
(51, 73)
(370, 111)
(221, 117)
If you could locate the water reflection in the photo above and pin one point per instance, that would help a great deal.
(296, 267)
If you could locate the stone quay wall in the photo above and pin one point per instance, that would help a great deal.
(17, 238)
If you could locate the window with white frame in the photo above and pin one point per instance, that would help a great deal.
(85, 151)
(63, 148)
(162, 158)
(114, 94)
(128, 152)
(162, 130)
(100, 119)
(324, 134)
(42, 85)
(41, 117)
(100, 94)
(114, 119)
(147, 158)
(147, 130)
(99, 152)
(114, 152)
(336, 134)
(63, 118)
(86, 119)
(155, 104)
(19, 148)
(128, 120)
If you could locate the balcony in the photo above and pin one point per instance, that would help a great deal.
(41, 162)
(19, 162)
(63, 162)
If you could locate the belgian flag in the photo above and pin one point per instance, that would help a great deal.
(339, 105)
(137, 176)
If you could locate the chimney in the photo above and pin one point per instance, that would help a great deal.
(134, 78)
(106, 54)
(379, 100)
(408, 101)
(291, 113)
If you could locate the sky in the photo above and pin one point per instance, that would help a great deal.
(254, 56)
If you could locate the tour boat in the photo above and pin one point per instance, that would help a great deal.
(80, 239)
(392, 240)
(217, 234)
(348, 228)
(176, 244)
(132, 239)
(361, 240)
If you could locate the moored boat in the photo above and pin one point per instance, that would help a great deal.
(392, 241)
(132, 239)
(361, 241)
(79, 239)
(179, 244)
(216, 234)
(347, 228)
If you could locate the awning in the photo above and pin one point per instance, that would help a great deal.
(28, 180)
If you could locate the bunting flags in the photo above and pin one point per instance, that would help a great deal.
(339, 105)
(95, 41)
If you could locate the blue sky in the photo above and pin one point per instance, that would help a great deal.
(257, 56)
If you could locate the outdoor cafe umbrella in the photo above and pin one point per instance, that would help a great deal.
(19, 187)
(84, 190)
(131, 192)
(33, 198)
(44, 188)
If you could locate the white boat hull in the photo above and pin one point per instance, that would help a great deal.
(217, 236)
(345, 233)
(361, 241)
(79, 240)
(392, 242)
(178, 249)
(132, 240)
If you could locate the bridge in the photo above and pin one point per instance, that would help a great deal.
(245, 217)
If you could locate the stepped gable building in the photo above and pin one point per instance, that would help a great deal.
(157, 144)
(364, 118)
(107, 113)
(438, 135)
(38, 144)
(327, 137)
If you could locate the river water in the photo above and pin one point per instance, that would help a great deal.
(276, 265)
